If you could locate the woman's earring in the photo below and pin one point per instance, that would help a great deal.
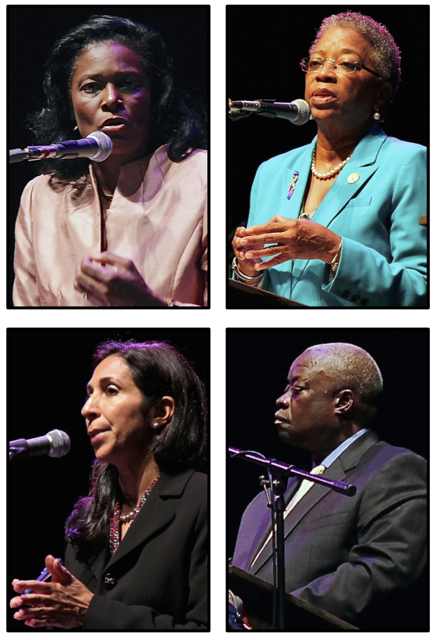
(155, 425)
(76, 128)
(376, 116)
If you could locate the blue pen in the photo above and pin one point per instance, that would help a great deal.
(43, 577)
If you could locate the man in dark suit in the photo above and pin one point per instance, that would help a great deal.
(342, 554)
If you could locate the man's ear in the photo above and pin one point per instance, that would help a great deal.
(344, 401)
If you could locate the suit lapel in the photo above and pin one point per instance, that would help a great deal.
(347, 461)
(95, 570)
(291, 207)
(265, 526)
(359, 169)
(155, 515)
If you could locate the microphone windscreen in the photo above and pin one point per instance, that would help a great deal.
(105, 146)
(60, 443)
(304, 112)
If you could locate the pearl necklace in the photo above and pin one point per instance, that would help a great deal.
(329, 174)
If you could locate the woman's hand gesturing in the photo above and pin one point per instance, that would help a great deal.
(290, 239)
(246, 266)
(111, 281)
(62, 602)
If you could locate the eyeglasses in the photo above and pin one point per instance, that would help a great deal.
(309, 65)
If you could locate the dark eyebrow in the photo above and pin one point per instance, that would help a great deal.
(116, 74)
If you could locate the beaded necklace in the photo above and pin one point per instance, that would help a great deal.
(329, 174)
(117, 519)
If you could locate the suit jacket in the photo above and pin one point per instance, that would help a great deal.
(157, 218)
(158, 577)
(374, 205)
(343, 553)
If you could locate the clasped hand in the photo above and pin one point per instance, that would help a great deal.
(290, 239)
(111, 281)
(62, 602)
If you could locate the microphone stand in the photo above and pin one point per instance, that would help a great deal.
(278, 472)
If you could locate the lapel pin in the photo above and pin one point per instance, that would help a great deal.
(352, 178)
(292, 185)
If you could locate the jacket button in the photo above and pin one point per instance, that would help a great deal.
(109, 581)
(364, 302)
(355, 298)
(345, 294)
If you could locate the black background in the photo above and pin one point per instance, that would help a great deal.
(32, 31)
(48, 370)
(264, 46)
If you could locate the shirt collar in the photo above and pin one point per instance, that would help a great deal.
(334, 455)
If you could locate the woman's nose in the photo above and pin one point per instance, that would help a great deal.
(111, 96)
(90, 408)
(327, 71)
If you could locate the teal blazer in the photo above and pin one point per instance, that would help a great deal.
(374, 205)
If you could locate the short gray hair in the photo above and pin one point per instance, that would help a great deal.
(350, 367)
(384, 54)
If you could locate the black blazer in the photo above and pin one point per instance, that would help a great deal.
(158, 577)
(341, 553)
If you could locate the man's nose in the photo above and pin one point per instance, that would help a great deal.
(282, 401)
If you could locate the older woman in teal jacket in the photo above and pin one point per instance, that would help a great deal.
(336, 223)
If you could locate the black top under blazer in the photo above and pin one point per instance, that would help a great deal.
(158, 577)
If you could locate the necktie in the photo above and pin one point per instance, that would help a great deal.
(303, 489)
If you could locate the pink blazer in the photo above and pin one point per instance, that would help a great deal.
(157, 218)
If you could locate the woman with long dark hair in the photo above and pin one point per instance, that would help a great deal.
(130, 230)
(137, 544)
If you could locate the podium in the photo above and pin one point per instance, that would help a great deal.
(243, 296)
(257, 596)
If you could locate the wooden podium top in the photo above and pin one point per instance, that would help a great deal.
(257, 596)
(243, 296)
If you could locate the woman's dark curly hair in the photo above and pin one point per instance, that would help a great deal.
(173, 120)
(158, 370)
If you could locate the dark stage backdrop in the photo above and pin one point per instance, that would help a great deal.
(264, 47)
(32, 31)
(258, 362)
(48, 370)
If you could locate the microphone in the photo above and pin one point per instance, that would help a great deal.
(97, 146)
(297, 112)
(54, 444)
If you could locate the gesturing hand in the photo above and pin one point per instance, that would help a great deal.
(111, 281)
(60, 603)
(293, 239)
(247, 266)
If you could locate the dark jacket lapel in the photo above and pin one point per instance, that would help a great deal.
(155, 515)
(347, 461)
(265, 525)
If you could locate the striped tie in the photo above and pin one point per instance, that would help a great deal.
(303, 489)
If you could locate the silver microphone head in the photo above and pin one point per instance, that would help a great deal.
(60, 443)
(304, 113)
(105, 145)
